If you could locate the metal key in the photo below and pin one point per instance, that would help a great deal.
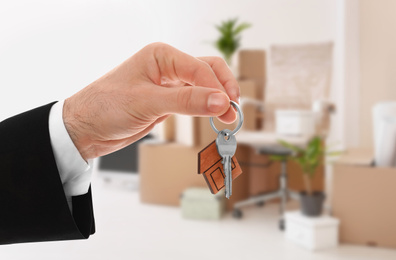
(226, 147)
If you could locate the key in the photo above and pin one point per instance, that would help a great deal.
(221, 167)
(211, 168)
(226, 147)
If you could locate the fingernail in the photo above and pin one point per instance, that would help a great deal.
(217, 102)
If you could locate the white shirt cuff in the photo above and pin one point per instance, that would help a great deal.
(75, 172)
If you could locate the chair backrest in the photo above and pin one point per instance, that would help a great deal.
(298, 75)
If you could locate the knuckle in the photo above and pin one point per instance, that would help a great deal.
(159, 48)
(220, 61)
(205, 67)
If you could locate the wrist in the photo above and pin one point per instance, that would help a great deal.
(75, 126)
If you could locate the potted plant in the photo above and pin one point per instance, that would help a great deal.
(230, 39)
(309, 159)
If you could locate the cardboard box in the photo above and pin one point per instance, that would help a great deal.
(167, 169)
(252, 67)
(363, 198)
(263, 173)
(248, 89)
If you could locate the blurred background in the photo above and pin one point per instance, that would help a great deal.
(306, 69)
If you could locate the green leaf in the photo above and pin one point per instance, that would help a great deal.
(229, 40)
(290, 146)
(334, 153)
(241, 28)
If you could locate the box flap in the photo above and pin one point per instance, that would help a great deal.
(357, 156)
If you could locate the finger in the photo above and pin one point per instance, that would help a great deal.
(224, 75)
(192, 100)
(176, 65)
(229, 116)
(161, 119)
(227, 79)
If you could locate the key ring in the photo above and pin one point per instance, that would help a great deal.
(240, 116)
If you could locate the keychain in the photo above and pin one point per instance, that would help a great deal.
(216, 162)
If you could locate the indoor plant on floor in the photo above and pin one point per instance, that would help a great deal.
(309, 159)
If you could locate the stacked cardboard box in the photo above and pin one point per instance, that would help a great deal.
(166, 170)
(248, 89)
(252, 67)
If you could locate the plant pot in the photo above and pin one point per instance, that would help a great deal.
(311, 205)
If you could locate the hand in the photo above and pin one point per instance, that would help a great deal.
(125, 104)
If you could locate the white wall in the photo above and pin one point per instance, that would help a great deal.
(377, 60)
(51, 49)
(345, 127)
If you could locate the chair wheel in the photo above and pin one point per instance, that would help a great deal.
(282, 224)
(237, 213)
(260, 203)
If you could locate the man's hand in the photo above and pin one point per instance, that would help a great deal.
(125, 104)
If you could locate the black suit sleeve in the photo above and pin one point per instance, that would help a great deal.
(33, 205)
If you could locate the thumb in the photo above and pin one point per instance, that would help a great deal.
(192, 100)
